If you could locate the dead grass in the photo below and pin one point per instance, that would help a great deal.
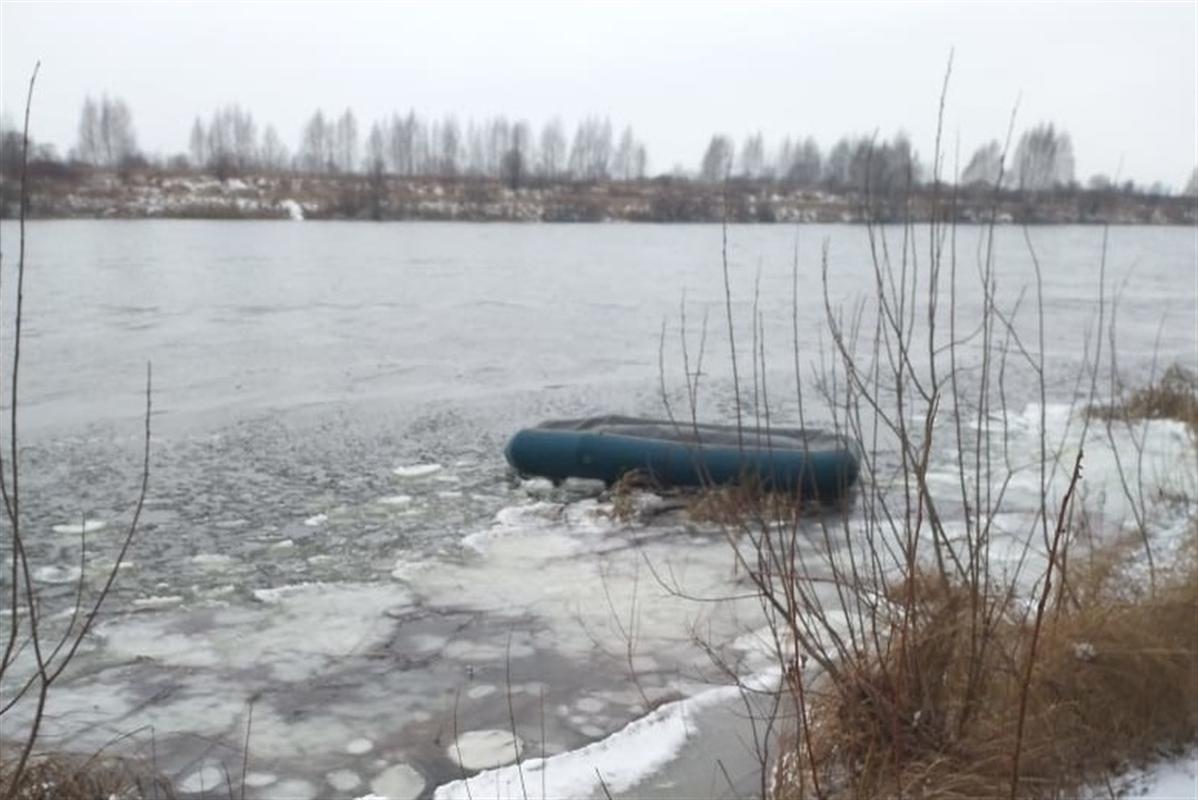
(1174, 396)
(64, 776)
(1115, 680)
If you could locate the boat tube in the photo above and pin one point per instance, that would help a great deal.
(817, 464)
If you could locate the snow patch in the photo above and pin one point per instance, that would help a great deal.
(622, 759)
(293, 209)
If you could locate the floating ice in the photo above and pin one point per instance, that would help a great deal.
(258, 780)
(453, 495)
(396, 500)
(398, 782)
(282, 544)
(537, 487)
(479, 692)
(417, 471)
(295, 633)
(56, 574)
(590, 705)
(86, 526)
(294, 789)
(357, 747)
(475, 750)
(212, 560)
(210, 775)
(158, 601)
(316, 519)
(406, 569)
(584, 487)
(344, 780)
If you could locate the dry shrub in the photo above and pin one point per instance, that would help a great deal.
(1115, 679)
(64, 776)
(1174, 396)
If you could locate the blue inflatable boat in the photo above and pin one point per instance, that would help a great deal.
(818, 464)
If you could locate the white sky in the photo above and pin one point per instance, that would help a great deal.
(1120, 77)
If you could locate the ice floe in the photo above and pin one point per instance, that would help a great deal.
(485, 749)
(210, 775)
(360, 746)
(56, 574)
(417, 470)
(398, 782)
(344, 780)
(83, 526)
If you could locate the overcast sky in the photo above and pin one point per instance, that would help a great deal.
(1120, 77)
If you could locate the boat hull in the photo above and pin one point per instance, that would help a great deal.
(817, 465)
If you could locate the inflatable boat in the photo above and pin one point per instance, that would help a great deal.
(817, 464)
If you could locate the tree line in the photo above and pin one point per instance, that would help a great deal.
(231, 142)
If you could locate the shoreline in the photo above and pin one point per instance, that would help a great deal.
(79, 193)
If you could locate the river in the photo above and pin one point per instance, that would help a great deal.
(331, 536)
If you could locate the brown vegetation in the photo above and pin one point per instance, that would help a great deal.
(1115, 680)
(1174, 396)
(74, 777)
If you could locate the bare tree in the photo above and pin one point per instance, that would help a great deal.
(985, 166)
(117, 138)
(590, 154)
(1191, 189)
(717, 160)
(1044, 158)
(106, 136)
(498, 142)
(346, 146)
(27, 634)
(376, 169)
(552, 149)
(836, 171)
(198, 144)
(231, 143)
(640, 162)
(449, 146)
(88, 149)
(622, 161)
(274, 153)
(514, 165)
(806, 163)
(752, 156)
(315, 145)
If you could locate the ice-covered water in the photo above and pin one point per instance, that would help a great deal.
(332, 555)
